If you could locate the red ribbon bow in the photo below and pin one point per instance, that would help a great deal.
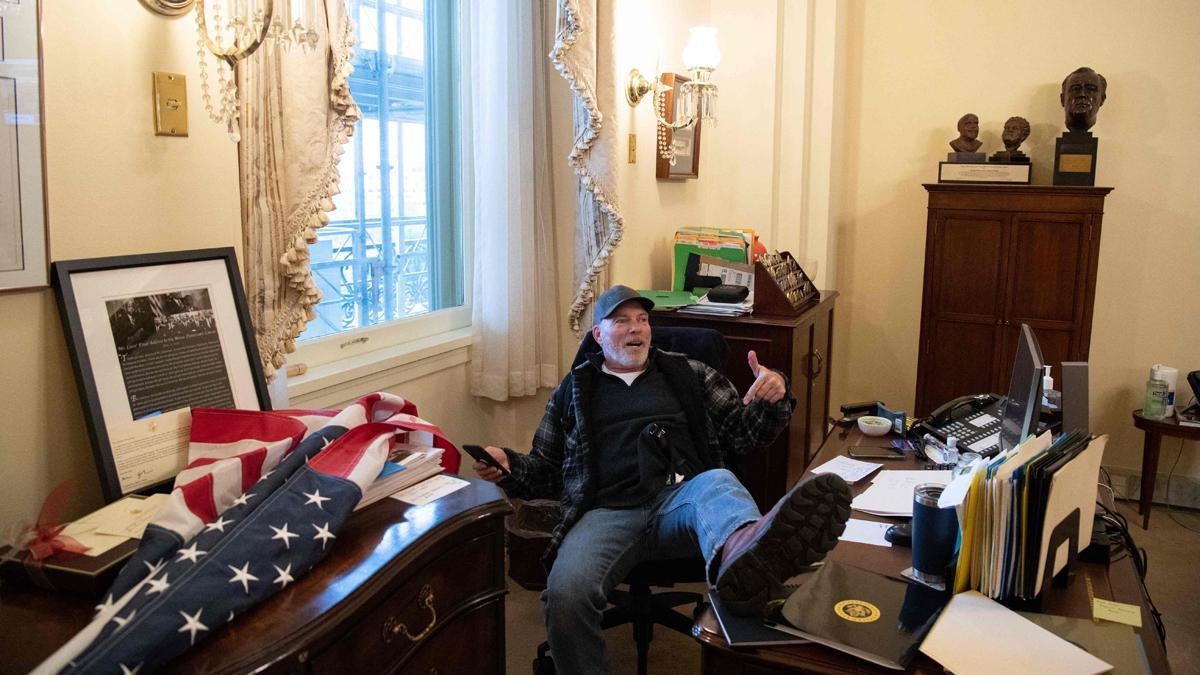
(47, 538)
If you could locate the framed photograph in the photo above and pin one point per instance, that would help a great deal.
(151, 337)
(22, 197)
(685, 142)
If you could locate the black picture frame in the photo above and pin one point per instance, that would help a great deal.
(124, 318)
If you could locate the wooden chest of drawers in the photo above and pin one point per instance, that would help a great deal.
(406, 589)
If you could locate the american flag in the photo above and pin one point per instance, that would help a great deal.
(259, 505)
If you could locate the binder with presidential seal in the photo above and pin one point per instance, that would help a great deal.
(873, 617)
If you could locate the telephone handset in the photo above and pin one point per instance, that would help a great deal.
(944, 412)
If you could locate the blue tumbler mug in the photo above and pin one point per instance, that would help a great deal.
(934, 534)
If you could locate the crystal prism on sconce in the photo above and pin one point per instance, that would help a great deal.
(232, 30)
(696, 98)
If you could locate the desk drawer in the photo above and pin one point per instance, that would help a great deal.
(418, 609)
(474, 645)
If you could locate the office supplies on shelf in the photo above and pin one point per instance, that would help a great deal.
(692, 242)
(868, 615)
(781, 287)
(978, 636)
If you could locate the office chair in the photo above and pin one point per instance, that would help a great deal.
(639, 606)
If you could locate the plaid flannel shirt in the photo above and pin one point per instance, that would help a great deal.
(561, 462)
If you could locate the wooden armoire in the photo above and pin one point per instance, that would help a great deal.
(997, 256)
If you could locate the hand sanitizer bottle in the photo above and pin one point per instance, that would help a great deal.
(951, 450)
(1051, 398)
(1155, 406)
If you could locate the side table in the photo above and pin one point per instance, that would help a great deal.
(1155, 430)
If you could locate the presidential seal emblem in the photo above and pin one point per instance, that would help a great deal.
(858, 611)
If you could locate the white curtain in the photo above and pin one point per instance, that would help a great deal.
(296, 114)
(508, 198)
(580, 59)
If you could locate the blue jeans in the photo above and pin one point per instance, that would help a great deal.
(684, 520)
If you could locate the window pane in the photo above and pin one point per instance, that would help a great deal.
(374, 265)
(369, 128)
(413, 171)
(412, 38)
(367, 29)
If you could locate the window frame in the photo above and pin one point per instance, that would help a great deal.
(452, 243)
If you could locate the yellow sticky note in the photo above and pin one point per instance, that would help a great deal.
(1117, 611)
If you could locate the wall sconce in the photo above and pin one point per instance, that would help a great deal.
(232, 30)
(696, 99)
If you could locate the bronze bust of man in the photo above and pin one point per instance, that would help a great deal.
(1083, 92)
(968, 134)
(1016, 130)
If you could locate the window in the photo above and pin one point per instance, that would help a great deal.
(393, 248)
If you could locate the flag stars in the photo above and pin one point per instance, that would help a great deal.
(285, 576)
(243, 500)
(265, 475)
(192, 624)
(316, 498)
(109, 603)
(158, 585)
(323, 534)
(190, 553)
(282, 533)
(242, 575)
(122, 620)
(126, 670)
(218, 525)
(153, 567)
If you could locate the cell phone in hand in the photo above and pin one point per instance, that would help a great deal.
(481, 455)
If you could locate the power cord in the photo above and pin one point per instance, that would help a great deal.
(1117, 528)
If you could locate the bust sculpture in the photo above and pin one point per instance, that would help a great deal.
(1083, 92)
(1016, 130)
(968, 134)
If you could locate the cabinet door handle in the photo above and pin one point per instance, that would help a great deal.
(814, 371)
(393, 627)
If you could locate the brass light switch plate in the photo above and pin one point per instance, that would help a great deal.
(170, 104)
(633, 148)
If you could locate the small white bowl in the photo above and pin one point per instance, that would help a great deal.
(874, 426)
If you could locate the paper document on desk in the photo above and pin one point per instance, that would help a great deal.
(850, 470)
(866, 532)
(978, 636)
(891, 492)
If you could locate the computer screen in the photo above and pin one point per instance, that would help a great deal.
(1024, 403)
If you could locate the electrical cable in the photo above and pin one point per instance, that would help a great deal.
(1118, 526)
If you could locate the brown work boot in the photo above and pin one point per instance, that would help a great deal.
(801, 528)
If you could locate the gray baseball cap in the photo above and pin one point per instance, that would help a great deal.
(612, 298)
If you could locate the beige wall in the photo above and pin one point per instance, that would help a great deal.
(113, 188)
(914, 68)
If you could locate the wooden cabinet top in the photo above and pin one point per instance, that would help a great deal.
(999, 197)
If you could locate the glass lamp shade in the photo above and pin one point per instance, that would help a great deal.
(701, 50)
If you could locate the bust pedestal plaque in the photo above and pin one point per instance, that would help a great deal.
(1075, 158)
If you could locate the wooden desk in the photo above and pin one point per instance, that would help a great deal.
(338, 618)
(1155, 430)
(1115, 582)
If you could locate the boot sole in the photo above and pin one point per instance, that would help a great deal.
(806, 528)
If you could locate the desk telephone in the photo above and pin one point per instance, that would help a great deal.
(973, 419)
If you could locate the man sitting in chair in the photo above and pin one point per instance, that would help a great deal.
(618, 432)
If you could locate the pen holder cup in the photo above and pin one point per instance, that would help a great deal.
(934, 535)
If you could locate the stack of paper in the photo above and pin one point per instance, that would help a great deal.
(709, 308)
(1010, 508)
(409, 464)
(891, 492)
